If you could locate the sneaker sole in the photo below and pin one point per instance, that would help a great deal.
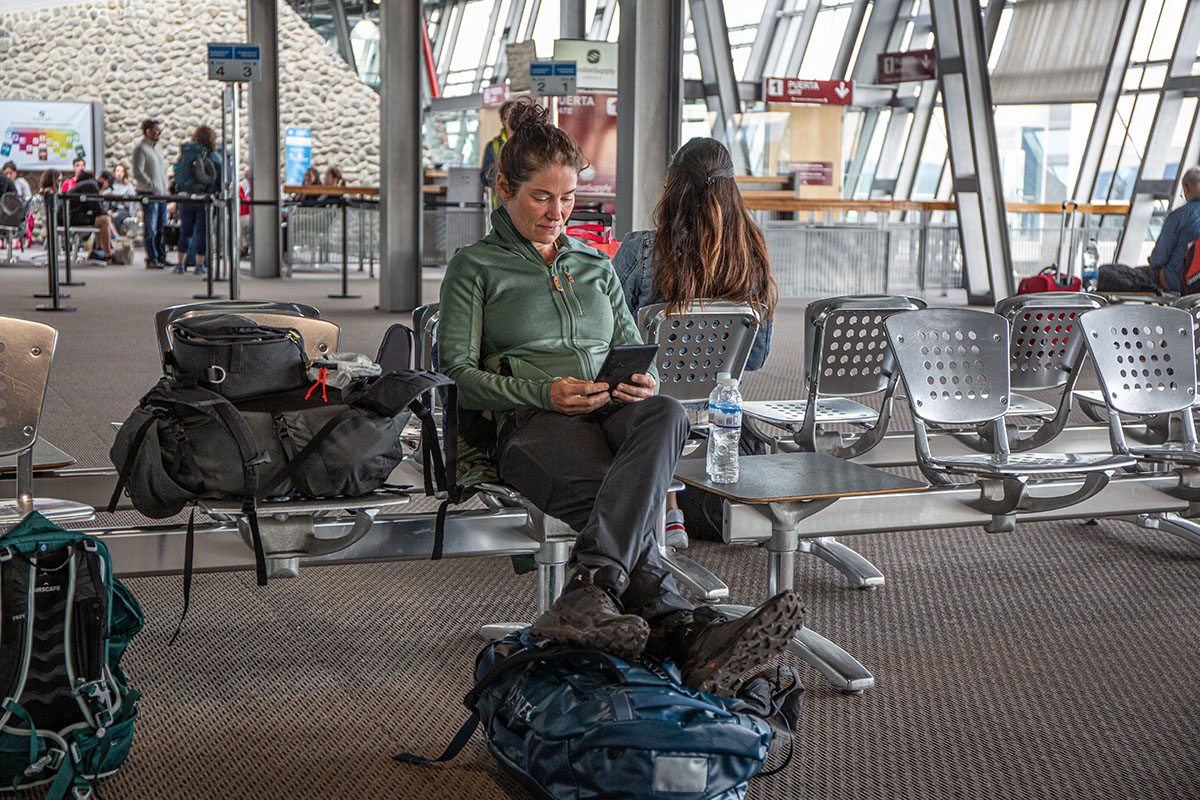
(624, 638)
(764, 637)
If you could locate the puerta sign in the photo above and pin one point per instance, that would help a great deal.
(234, 63)
(914, 65)
(800, 90)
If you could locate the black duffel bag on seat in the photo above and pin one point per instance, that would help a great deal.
(235, 356)
(185, 443)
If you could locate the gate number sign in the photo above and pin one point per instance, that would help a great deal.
(552, 77)
(234, 63)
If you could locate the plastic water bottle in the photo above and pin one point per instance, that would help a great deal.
(724, 430)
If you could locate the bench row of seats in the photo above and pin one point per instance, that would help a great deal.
(961, 382)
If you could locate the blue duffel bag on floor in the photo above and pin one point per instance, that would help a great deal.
(575, 723)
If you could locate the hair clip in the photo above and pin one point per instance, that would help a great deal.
(708, 181)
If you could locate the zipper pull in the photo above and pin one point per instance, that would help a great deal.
(557, 285)
(569, 278)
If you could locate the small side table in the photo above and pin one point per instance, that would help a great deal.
(787, 488)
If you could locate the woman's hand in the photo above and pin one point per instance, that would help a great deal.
(642, 387)
(572, 396)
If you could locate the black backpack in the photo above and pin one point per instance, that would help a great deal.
(235, 356)
(185, 442)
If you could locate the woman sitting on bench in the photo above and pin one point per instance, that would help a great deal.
(527, 317)
(704, 246)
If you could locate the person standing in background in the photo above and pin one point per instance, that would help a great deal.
(150, 177)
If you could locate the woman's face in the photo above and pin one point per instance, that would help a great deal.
(331, 179)
(119, 174)
(540, 206)
(11, 173)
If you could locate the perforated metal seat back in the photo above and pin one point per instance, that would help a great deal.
(1044, 338)
(1191, 304)
(696, 344)
(855, 359)
(26, 350)
(1144, 356)
(954, 362)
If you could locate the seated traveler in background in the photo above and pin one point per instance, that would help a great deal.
(21, 185)
(78, 166)
(704, 246)
(527, 317)
(118, 212)
(89, 213)
(1180, 229)
(311, 178)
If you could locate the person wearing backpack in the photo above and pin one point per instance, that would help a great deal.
(198, 172)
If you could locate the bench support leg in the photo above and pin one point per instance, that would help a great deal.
(687, 572)
(861, 573)
(1170, 522)
(839, 668)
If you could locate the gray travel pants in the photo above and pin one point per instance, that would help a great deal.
(607, 478)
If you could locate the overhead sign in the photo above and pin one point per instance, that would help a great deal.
(596, 62)
(234, 63)
(496, 95)
(591, 119)
(519, 55)
(813, 173)
(914, 65)
(297, 154)
(552, 77)
(799, 90)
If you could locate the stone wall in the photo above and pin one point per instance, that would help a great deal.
(146, 58)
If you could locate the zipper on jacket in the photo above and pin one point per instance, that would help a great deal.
(580, 354)
(571, 293)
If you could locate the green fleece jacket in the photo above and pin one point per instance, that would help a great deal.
(510, 323)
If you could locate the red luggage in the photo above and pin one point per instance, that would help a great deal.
(1048, 280)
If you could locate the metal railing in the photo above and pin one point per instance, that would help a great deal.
(315, 235)
(849, 247)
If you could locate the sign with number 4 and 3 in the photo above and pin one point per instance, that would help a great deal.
(234, 63)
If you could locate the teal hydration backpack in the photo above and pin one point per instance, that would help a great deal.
(67, 713)
(580, 724)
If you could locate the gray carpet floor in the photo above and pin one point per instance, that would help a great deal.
(1059, 661)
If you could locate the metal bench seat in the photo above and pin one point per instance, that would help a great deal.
(1026, 463)
(955, 366)
(26, 353)
(791, 413)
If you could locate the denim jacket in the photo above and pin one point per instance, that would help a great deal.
(634, 263)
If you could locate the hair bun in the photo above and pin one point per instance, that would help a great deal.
(528, 114)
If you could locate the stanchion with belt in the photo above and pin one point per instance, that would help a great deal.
(67, 241)
(212, 262)
(52, 259)
(345, 294)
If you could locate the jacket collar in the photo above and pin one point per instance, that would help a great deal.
(505, 234)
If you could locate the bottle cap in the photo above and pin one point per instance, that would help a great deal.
(725, 377)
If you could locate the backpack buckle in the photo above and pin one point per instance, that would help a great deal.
(52, 760)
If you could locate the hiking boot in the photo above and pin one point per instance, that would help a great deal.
(712, 651)
(587, 615)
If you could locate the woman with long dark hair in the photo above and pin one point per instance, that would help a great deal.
(704, 246)
(527, 317)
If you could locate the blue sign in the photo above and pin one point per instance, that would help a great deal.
(297, 151)
(552, 77)
(246, 52)
(220, 52)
